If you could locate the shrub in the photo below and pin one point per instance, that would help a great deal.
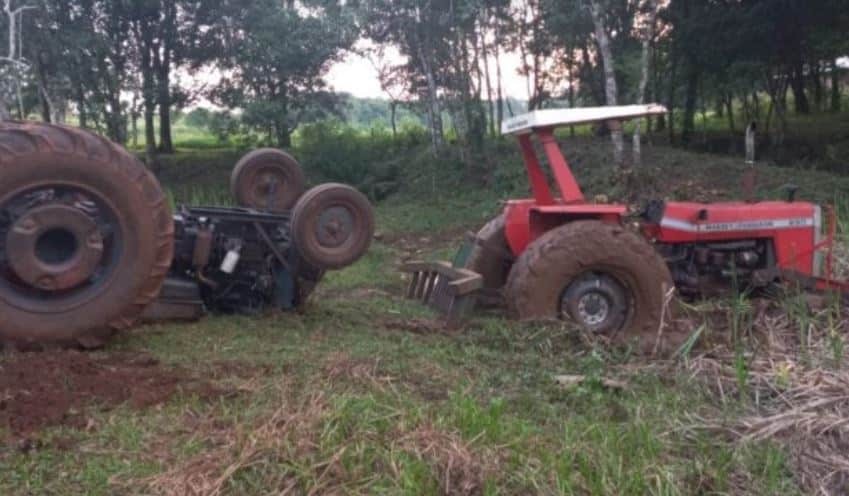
(333, 151)
(223, 125)
(199, 118)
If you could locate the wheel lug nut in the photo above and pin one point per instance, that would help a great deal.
(46, 283)
(26, 226)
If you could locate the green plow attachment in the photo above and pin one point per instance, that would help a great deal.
(445, 286)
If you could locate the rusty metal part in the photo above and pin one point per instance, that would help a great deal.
(179, 300)
(272, 246)
(55, 247)
(445, 288)
(203, 248)
(205, 280)
(171, 311)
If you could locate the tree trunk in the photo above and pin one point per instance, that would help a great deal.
(729, 112)
(434, 109)
(499, 110)
(135, 114)
(43, 92)
(14, 58)
(648, 35)
(393, 109)
(283, 135)
(816, 76)
(488, 81)
(670, 97)
(149, 90)
(570, 66)
(81, 110)
(166, 144)
(596, 84)
(797, 83)
(149, 113)
(641, 98)
(611, 90)
(835, 87)
(115, 124)
(690, 104)
(777, 87)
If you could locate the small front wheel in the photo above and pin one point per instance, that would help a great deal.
(332, 226)
(267, 179)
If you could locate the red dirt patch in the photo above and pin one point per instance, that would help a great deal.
(53, 388)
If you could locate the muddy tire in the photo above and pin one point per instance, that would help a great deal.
(267, 179)
(332, 226)
(86, 237)
(604, 277)
(491, 257)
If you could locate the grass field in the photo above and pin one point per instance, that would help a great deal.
(366, 394)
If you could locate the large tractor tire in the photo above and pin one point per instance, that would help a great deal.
(332, 226)
(491, 257)
(604, 277)
(86, 237)
(267, 179)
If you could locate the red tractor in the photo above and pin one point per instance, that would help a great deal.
(557, 255)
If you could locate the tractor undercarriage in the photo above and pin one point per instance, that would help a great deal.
(89, 245)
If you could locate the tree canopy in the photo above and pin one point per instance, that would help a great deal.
(113, 63)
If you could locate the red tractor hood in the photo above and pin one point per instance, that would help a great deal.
(682, 221)
(793, 227)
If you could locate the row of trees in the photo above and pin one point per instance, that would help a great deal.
(695, 56)
(115, 62)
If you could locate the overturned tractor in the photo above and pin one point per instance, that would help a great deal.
(556, 255)
(90, 245)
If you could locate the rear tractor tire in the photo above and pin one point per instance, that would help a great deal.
(86, 237)
(605, 278)
(267, 179)
(491, 257)
(332, 226)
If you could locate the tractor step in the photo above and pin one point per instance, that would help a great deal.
(450, 290)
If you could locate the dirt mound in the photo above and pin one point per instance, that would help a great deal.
(53, 388)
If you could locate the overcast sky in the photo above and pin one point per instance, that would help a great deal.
(358, 76)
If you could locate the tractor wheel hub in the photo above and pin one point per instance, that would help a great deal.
(56, 247)
(593, 308)
(335, 226)
(597, 301)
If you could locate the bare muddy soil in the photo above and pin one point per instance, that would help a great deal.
(59, 388)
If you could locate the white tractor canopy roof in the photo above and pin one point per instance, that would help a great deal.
(526, 123)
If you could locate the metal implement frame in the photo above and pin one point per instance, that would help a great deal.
(443, 287)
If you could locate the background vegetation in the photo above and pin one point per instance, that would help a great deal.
(126, 67)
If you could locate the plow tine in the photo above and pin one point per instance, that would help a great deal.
(414, 282)
(420, 289)
(445, 288)
(417, 290)
(431, 282)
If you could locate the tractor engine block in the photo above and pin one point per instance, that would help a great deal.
(705, 270)
(237, 261)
